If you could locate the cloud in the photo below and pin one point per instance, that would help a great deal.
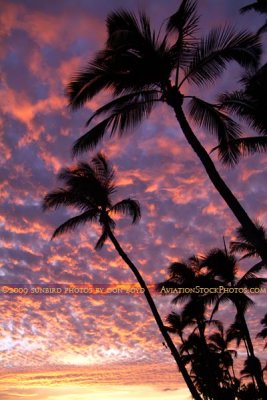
(182, 214)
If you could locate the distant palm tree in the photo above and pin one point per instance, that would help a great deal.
(177, 323)
(251, 365)
(224, 266)
(140, 68)
(189, 275)
(218, 343)
(235, 333)
(192, 351)
(216, 269)
(259, 6)
(89, 188)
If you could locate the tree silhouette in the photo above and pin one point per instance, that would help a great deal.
(216, 269)
(189, 275)
(218, 342)
(141, 68)
(224, 266)
(89, 188)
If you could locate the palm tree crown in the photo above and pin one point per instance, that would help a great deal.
(141, 68)
(89, 188)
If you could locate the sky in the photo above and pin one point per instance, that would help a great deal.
(77, 346)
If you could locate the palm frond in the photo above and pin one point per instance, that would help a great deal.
(250, 280)
(219, 124)
(90, 139)
(101, 241)
(72, 223)
(242, 301)
(121, 22)
(220, 264)
(251, 145)
(258, 267)
(140, 59)
(176, 322)
(259, 6)
(263, 333)
(240, 105)
(142, 96)
(124, 117)
(128, 207)
(235, 332)
(61, 197)
(90, 80)
(262, 29)
(180, 272)
(249, 7)
(184, 20)
(104, 172)
(243, 242)
(221, 46)
(241, 247)
(249, 103)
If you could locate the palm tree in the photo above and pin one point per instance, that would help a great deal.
(219, 362)
(259, 6)
(235, 333)
(189, 275)
(218, 343)
(224, 266)
(216, 269)
(141, 68)
(89, 188)
(192, 351)
(219, 353)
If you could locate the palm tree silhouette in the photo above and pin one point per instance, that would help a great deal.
(220, 360)
(224, 266)
(89, 188)
(219, 343)
(259, 6)
(188, 275)
(192, 351)
(141, 68)
(216, 269)
(235, 333)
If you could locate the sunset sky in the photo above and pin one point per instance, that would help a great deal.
(76, 347)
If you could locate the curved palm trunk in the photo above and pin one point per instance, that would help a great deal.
(218, 182)
(157, 317)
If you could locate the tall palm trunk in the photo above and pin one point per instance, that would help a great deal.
(157, 317)
(175, 101)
